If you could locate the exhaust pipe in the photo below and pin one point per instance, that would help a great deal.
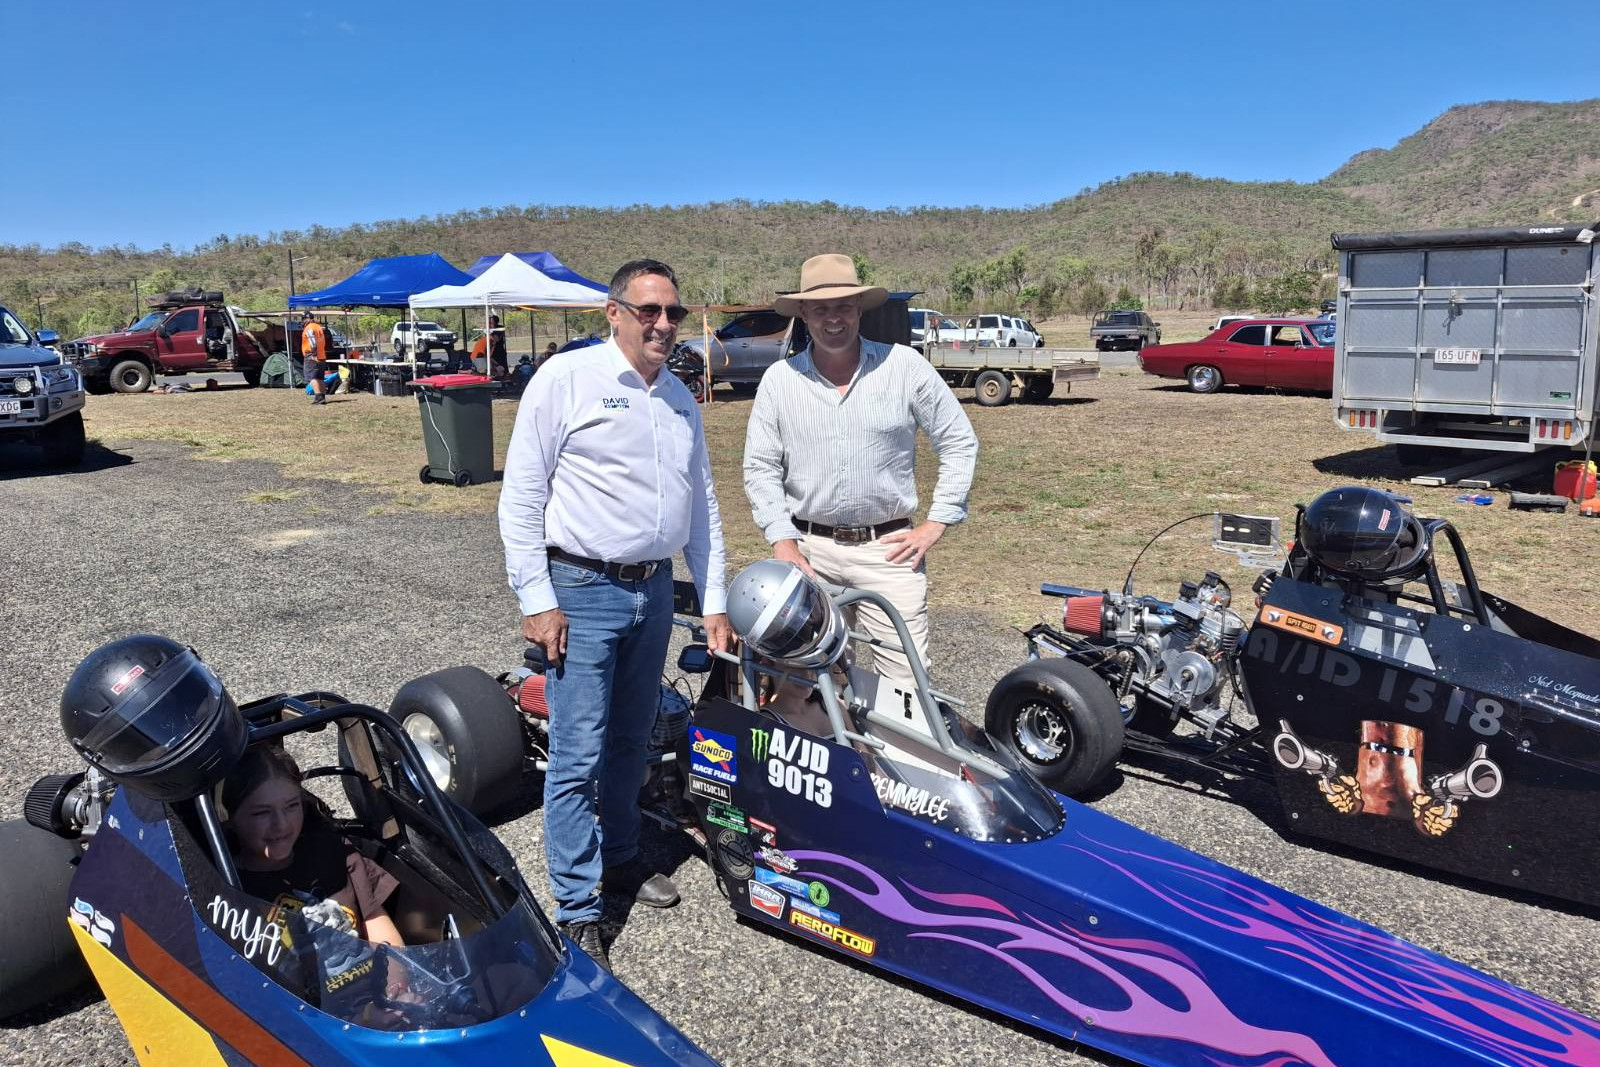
(1480, 778)
(1293, 754)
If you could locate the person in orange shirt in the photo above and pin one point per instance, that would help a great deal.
(314, 350)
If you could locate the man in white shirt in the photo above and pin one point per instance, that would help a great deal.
(606, 478)
(830, 451)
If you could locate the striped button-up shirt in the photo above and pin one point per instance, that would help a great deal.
(849, 459)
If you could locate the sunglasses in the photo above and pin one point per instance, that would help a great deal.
(647, 313)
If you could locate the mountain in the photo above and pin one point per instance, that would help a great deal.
(1486, 164)
(1172, 238)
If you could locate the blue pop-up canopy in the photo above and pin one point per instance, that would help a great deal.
(543, 262)
(389, 282)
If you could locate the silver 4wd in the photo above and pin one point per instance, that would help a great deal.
(41, 397)
(419, 338)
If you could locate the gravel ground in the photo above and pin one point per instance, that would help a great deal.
(332, 588)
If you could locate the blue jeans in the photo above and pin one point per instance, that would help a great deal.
(603, 702)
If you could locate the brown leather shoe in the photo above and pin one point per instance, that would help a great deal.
(586, 935)
(633, 878)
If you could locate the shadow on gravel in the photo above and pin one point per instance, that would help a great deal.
(23, 461)
(77, 1000)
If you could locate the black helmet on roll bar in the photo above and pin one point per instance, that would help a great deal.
(152, 716)
(1364, 533)
(785, 616)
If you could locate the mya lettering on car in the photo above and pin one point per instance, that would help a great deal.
(796, 764)
(911, 799)
(849, 939)
(712, 755)
(766, 899)
(250, 932)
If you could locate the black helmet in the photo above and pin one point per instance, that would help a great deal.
(785, 616)
(1363, 533)
(152, 716)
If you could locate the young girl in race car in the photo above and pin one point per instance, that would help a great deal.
(316, 872)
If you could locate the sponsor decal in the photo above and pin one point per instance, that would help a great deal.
(93, 920)
(913, 800)
(766, 899)
(848, 939)
(811, 909)
(733, 848)
(705, 787)
(727, 815)
(793, 886)
(1304, 625)
(712, 755)
(250, 932)
(1565, 689)
(796, 764)
(765, 833)
(777, 859)
(818, 894)
(614, 403)
(127, 680)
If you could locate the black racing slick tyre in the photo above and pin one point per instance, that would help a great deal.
(1060, 720)
(39, 960)
(1204, 378)
(468, 734)
(992, 389)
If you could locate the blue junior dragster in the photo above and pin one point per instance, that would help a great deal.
(202, 974)
(883, 826)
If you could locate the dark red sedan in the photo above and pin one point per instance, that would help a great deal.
(1286, 353)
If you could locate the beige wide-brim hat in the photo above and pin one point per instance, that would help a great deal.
(829, 277)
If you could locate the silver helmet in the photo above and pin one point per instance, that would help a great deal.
(785, 616)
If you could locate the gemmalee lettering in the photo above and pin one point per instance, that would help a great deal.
(911, 799)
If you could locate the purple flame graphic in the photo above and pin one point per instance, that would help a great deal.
(1396, 977)
(1144, 1015)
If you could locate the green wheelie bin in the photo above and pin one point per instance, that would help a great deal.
(457, 427)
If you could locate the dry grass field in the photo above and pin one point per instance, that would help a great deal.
(1068, 490)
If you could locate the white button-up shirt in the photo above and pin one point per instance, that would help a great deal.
(603, 465)
(850, 460)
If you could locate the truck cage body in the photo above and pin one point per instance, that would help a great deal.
(1480, 339)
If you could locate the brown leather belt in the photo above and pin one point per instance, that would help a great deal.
(626, 572)
(852, 535)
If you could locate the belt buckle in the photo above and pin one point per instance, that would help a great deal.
(852, 535)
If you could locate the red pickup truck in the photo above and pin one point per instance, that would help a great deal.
(186, 332)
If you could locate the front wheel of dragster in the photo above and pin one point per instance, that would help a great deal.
(1060, 720)
(39, 960)
(467, 732)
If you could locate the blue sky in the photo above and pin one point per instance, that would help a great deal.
(171, 122)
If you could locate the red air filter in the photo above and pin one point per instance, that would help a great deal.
(530, 697)
(1083, 615)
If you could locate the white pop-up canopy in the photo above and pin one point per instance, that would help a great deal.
(512, 282)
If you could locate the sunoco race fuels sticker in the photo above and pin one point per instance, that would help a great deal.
(713, 754)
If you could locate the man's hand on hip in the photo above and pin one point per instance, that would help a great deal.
(911, 546)
(548, 630)
(719, 634)
(788, 550)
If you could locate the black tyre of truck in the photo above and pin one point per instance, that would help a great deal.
(1101, 345)
(1204, 378)
(1012, 343)
(1060, 720)
(131, 376)
(39, 959)
(992, 389)
(468, 734)
(252, 377)
(63, 441)
(1038, 389)
(97, 386)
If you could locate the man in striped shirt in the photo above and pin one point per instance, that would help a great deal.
(830, 451)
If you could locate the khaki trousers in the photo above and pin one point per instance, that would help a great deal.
(863, 567)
